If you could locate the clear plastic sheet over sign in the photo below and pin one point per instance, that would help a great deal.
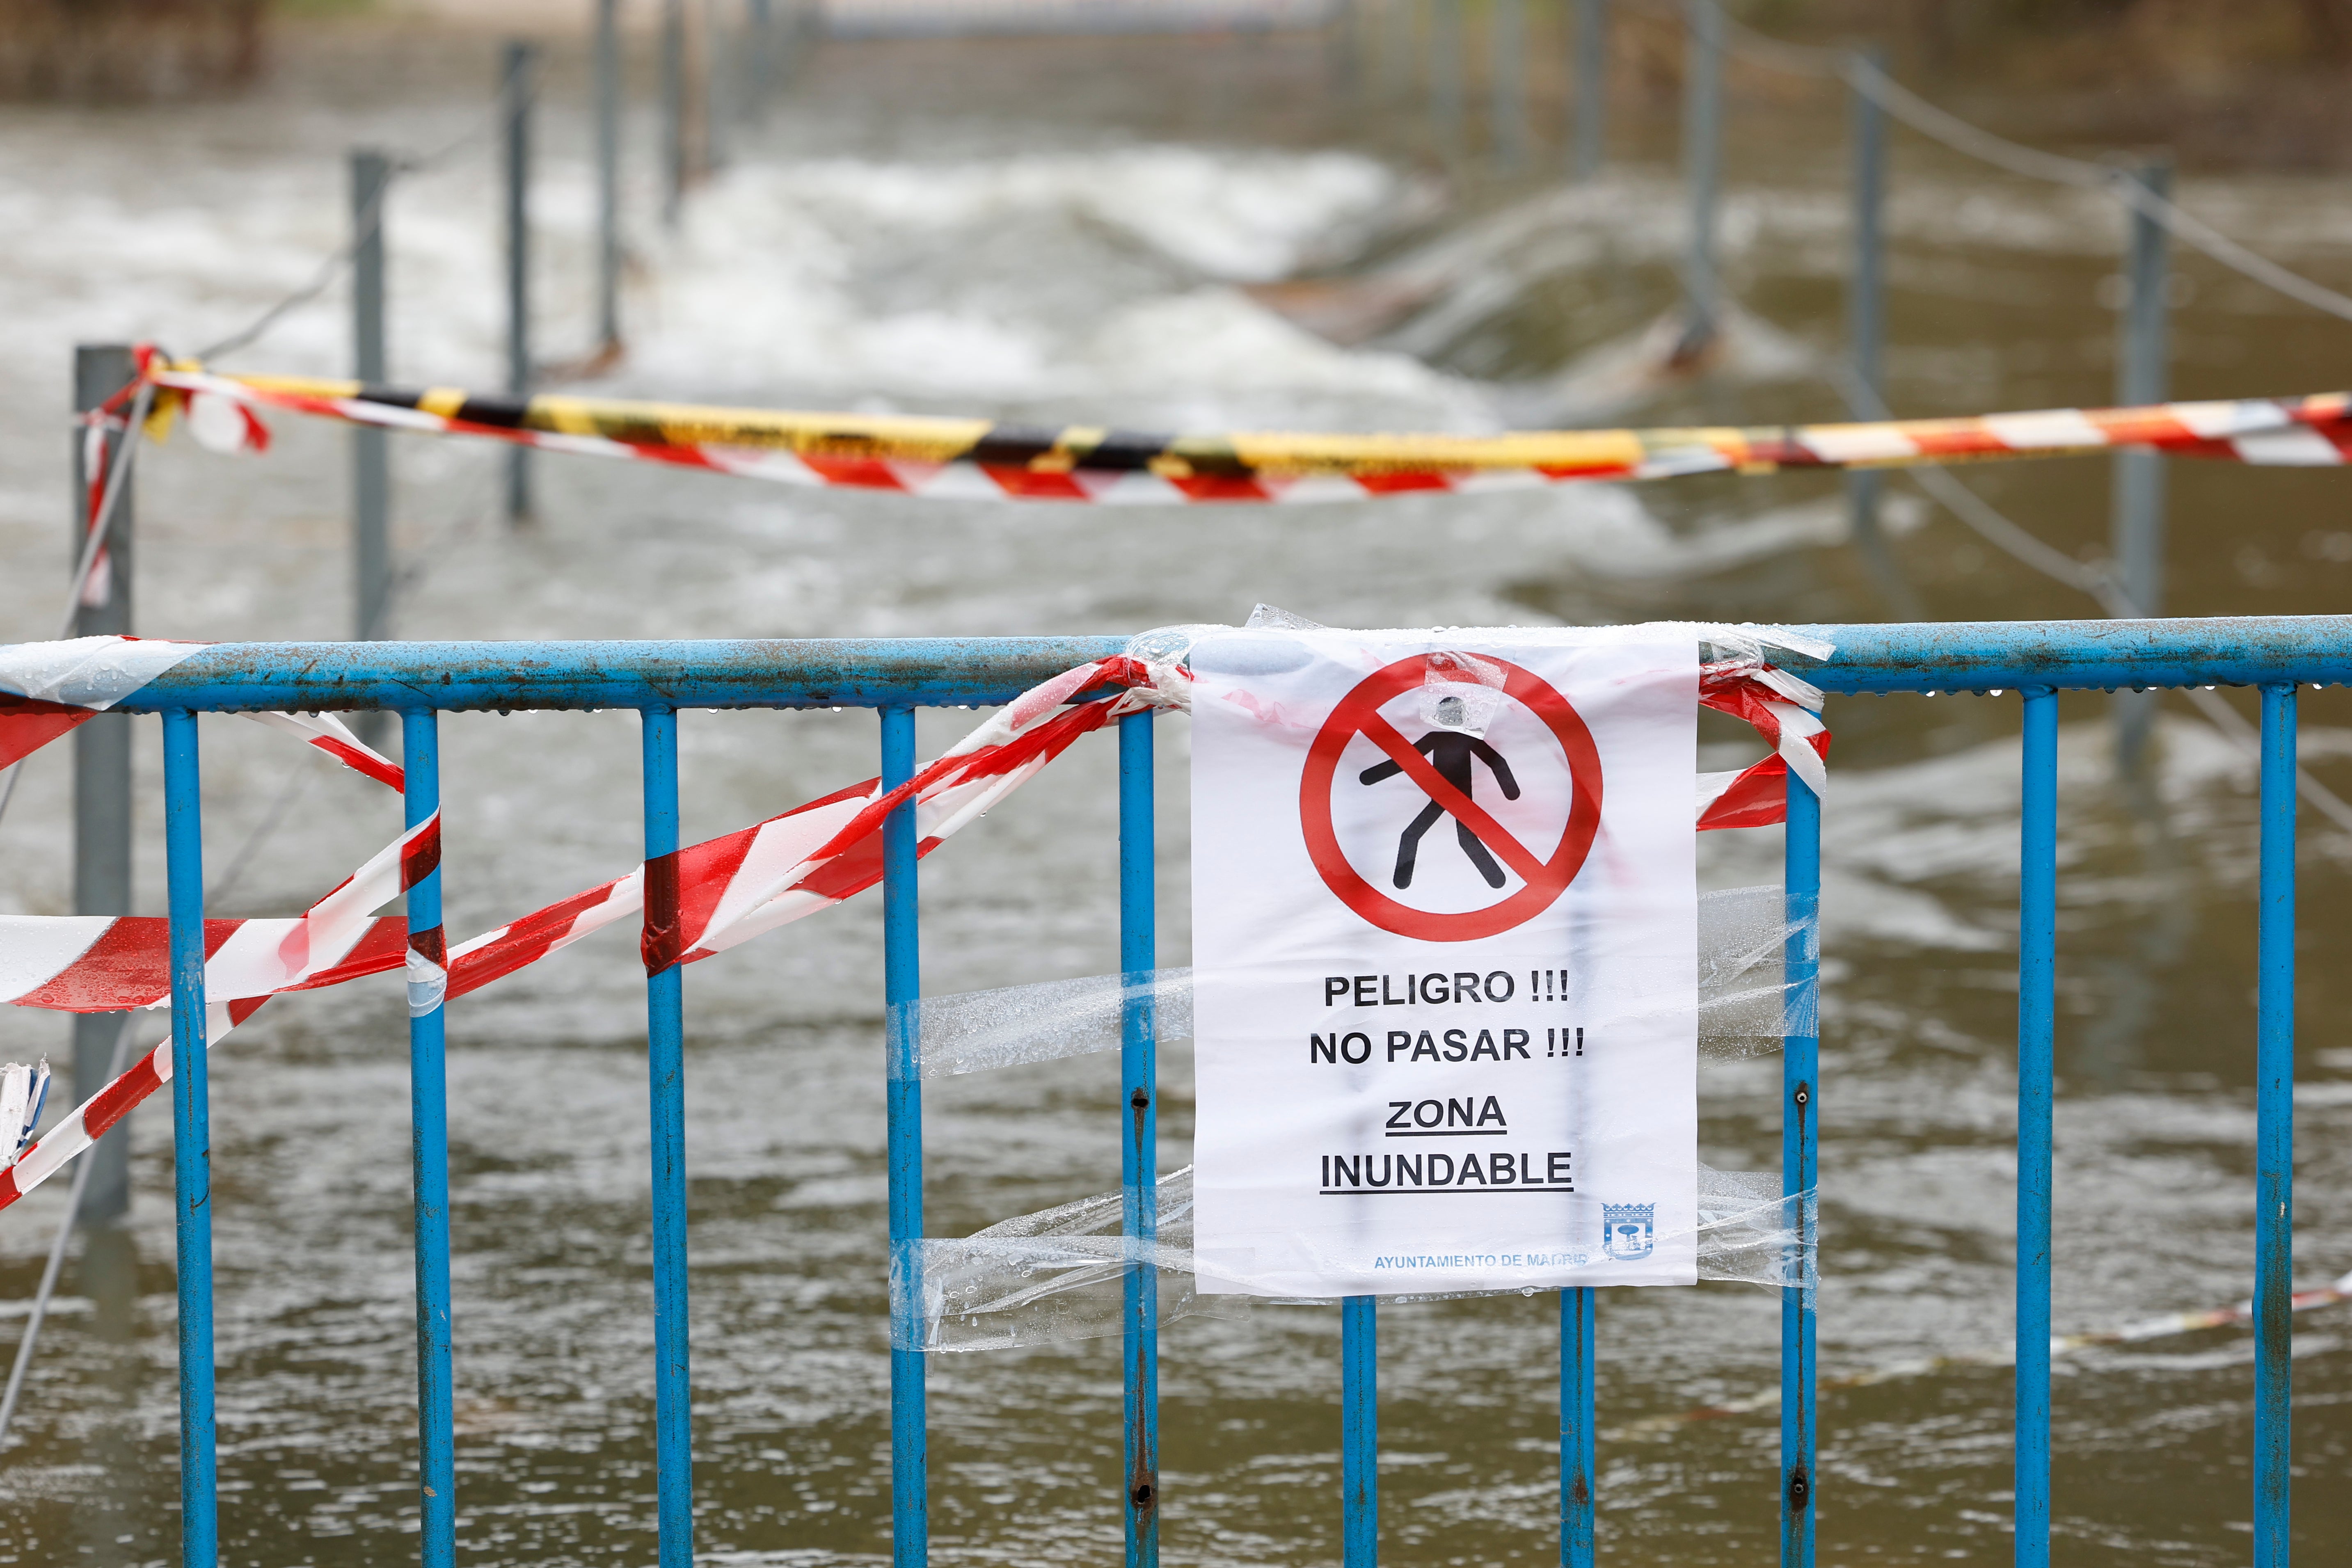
(1060, 1274)
(1746, 1004)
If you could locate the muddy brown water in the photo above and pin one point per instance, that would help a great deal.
(931, 251)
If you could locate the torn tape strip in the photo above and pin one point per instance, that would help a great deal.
(965, 459)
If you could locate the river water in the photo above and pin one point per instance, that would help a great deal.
(909, 230)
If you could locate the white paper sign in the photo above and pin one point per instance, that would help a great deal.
(1445, 960)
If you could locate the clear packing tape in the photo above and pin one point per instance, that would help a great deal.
(1747, 1004)
(1061, 1274)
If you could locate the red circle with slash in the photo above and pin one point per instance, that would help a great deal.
(1358, 713)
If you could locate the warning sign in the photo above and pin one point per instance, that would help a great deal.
(1444, 945)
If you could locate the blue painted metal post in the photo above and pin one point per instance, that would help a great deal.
(1359, 1431)
(902, 984)
(665, 1072)
(1800, 1164)
(1576, 1434)
(192, 1140)
(1139, 1174)
(2274, 1135)
(429, 1121)
(2037, 960)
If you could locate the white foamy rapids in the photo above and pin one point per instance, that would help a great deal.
(1071, 276)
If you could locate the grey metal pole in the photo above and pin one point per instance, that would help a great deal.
(608, 174)
(1509, 94)
(1866, 317)
(763, 59)
(1445, 75)
(101, 873)
(1592, 107)
(370, 459)
(707, 104)
(673, 103)
(1702, 165)
(1396, 49)
(2136, 522)
(519, 84)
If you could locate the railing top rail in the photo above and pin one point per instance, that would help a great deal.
(936, 672)
(848, 671)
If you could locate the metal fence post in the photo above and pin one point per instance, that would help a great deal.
(672, 110)
(1359, 1431)
(1508, 92)
(102, 866)
(1866, 332)
(1396, 49)
(191, 1143)
(708, 79)
(2037, 904)
(763, 59)
(1800, 1163)
(902, 986)
(1576, 1309)
(608, 175)
(1702, 164)
(428, 1114)
(371, 456)
(665, 1075)
(1138, 942)
(519, 86)
(1591, 106)
(2138, 519)
(2274, 1137)
(1445, 64)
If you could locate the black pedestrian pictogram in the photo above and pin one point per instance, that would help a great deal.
(1451, 753)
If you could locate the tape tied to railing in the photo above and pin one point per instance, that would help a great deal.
(736, 886)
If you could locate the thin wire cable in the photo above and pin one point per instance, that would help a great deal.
(56, 1264)
(1997, 528)
(366, 224)
(118, 474)
(1941, 125)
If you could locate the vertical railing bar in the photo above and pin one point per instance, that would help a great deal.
(1138, 955)
(1800, 1164)
(1359, 1431)
(191, 1139)
(2274, 1135)
(429, 1121)
(2037, 957)
(666, 1079)
(1576, 1432)
(902, 977)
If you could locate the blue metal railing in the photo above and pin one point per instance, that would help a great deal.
(420, 680)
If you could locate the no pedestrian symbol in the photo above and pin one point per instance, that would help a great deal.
(1443, 764)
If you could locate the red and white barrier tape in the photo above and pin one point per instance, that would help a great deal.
(728, 889)
(978, 459)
